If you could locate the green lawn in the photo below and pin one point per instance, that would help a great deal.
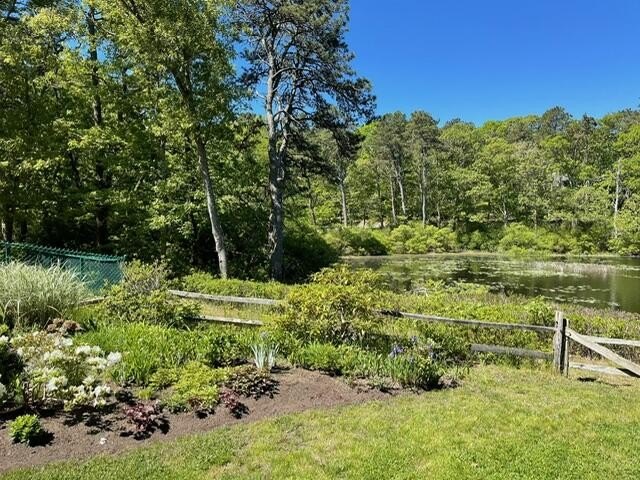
(503, 423)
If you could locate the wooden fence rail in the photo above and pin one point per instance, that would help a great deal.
(562, 334)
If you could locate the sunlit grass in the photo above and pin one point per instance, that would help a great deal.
(502, 424)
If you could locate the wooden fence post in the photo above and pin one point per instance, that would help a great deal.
(560, 344)
(565, 349)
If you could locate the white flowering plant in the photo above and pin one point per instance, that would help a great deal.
(59, 373)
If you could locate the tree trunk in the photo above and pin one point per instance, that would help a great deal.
(403, 203)
(216, 228)
(102, 209)
(7, 227)
(394, 216)
(343, 199)
(276, 217)
(276, 181)
(616, 201)
(312, 207)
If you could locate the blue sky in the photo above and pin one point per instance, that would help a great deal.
(492, 59)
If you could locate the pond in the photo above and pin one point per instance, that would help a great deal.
(603, 282)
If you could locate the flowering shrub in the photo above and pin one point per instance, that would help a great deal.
(56, 372)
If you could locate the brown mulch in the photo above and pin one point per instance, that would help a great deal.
(298, 390)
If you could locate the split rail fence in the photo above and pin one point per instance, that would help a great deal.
(562, 335)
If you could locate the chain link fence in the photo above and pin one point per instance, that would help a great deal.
(97, 271)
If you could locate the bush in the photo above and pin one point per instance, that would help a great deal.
(420, 239)
(248, 381)
(143, 297)
(345, 275)
(58, 373)
(356, 241)
(306, 252)
(206, 283)
(518, 238)
(324, 357)
(196, 389)
(30, 295)
(329, 313)
(26, 429)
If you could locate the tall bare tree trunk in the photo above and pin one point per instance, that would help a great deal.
(216, 227)
(394, 216)
(7, 227)
(343, 199)
(102, 209)
(276, 180)
(616, 201)
(403, 203)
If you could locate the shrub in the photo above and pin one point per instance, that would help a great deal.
(31, 295)
(356, 241)
(144, 418)
(58, 373)
(329, 313)
(249, 381)
(414, 365)
(417, 239)
(26, 429)
(306, 252)
(324, 357)
(230, 400)
(143, 297)
(196, 389)
(345, 275)
(206, 283)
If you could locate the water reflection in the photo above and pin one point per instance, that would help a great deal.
(599, 281)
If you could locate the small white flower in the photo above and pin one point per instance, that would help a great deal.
(83, 350)
(113, 358)
(103, 441)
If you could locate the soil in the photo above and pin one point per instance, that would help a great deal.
(72, 439)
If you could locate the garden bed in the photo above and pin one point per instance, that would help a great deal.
(298, 390)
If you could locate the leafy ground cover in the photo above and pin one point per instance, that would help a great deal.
(504, 423)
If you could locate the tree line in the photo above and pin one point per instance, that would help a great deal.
(122, 119)
(230, 135)
(579, 177)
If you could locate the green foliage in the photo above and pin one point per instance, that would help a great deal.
(250, 381)
(147, 348)
(196, 389)
(30, 296)
(346, 276)
(627, 240)
(206, 283)
(143, 297)
(306, 252)
(329, 313)
(26, 429)
(421, 239)
(356, 241)
(520, 238)
(325, 357)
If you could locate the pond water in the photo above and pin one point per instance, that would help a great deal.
(604, 282)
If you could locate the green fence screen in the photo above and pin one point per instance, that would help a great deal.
(97, 271)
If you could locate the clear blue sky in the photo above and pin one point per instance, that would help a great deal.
(492, 59)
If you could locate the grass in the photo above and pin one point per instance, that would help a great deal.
(502, 424)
